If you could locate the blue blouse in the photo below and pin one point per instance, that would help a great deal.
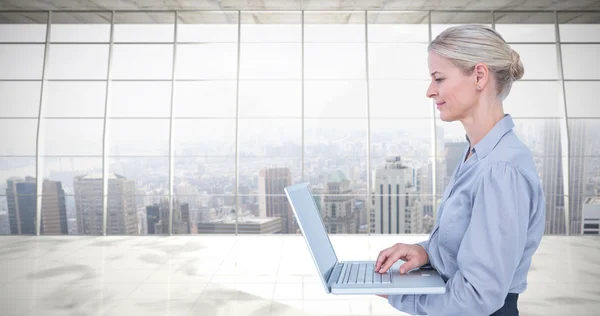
(489, 224)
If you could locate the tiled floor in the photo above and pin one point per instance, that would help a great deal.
(243, 275)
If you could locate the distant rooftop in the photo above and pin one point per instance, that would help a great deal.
(337, 176)
(593, 200)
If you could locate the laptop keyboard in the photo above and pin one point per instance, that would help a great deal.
(362, 273)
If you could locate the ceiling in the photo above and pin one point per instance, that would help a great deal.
(288, 11)
(300, 4)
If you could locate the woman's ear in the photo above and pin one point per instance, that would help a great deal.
(481, 73)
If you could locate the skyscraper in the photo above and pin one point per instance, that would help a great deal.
(338, 211)
(122, 214)
(272, 201)
(397, 209)
(551, 175)
(578, 172)
(54, 209)
(21, 199)
(181, 218)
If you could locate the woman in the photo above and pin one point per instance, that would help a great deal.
(491, 216)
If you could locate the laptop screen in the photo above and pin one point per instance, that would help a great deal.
(311, 224)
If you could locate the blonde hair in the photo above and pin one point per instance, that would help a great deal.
(467, 45)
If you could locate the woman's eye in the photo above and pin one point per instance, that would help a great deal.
(439, 80)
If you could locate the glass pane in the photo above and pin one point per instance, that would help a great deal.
(334, 27)
(583, 137)
(140, 99)
(343, 214)
(335, 99)
(205, 99)
(54, 209)
(21, 61)
(138, 137)
(17, 137)
(398, 61)
(408, 139)
(271, 27)
(23, 26)
(335, 137)
(204, 137)
(334, 61)
(399, 98)
(127, 213)
(270, 137)
(579, 26)
(321, 171)
(542, 136)
(68, 137)
(22, 209)
(74, 99)
(443, 20)
(66, 170)
(582, 98)
(150, 175)
(206, 61)
(4, 221)
(254, 170)
(547, 103)
(587, 223)
(555, 216)
(216, 215)
(207, 26)
(154, 217)
(448, 131)
(78, 61)
(413, 171)
(581, 61)
(20, 99)
(398, 27)
(199, 176)
(397, 211)
(142, 61)
(15, 168)
(22, 32)
(80, 27)
(144, 27)
(539, 60)
(264, 215)
(88, 203)
(526, 27)
(271, 98)
(270, 61)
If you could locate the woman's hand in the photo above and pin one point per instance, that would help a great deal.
(414, 255)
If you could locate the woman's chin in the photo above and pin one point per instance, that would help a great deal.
(445, 117)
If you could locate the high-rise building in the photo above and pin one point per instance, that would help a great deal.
(121, 209)
(272, 201)
(551, 174)
(578, 172)
(338, 212)
(181, 218)
(21, 198)
(54, 209)
(153, 217)
(591, 216)
(397, 208)
(4, 226)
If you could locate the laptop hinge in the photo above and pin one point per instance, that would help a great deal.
(334, 274)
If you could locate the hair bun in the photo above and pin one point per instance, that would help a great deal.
(516, 67)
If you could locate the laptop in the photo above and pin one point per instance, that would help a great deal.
(353, 277)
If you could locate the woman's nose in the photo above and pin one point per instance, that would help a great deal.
(430, 91)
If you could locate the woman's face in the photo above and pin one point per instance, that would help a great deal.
(454, 92)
